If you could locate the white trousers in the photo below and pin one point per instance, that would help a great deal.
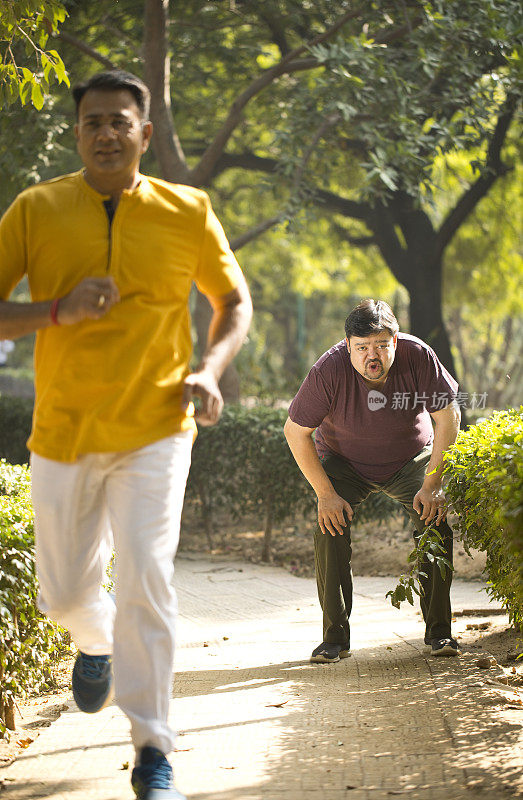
(134, 500)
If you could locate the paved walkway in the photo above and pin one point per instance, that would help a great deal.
(257, 721)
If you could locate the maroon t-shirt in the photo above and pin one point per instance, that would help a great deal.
(376, 431)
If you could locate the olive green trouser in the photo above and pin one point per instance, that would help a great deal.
(333, 553)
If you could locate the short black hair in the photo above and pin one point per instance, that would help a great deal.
(371, 317)
(112, 81)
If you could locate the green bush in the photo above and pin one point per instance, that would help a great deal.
(215, 467)
(15, 426)
(243, 465)
(485, 485)
(271, 482)
(27, 639)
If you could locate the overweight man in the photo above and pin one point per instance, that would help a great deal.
(370, 401)
(110, 256)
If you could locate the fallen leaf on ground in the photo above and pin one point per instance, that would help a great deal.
(24, 742)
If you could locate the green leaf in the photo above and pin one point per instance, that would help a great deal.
(37, 96)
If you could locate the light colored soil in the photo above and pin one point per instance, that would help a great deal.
(378, 548)
(493, 634)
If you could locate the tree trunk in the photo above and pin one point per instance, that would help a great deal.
(7, 708)
(166, 144)
(426, 316)
(267, 536)
(284, 312)
(207, 515)
(411, 249)
(425, 310)
(9, 715)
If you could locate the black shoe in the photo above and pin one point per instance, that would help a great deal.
(444, 647)
(328, 653)
(152, 777)
(92, 682)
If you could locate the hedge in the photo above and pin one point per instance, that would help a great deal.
(243, 465)
(15, 426)
(484, 470)
(27, 639)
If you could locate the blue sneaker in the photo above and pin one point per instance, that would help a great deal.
(92, 682)
(152, 777)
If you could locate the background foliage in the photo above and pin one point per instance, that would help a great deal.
(379, 160)
(27, 69)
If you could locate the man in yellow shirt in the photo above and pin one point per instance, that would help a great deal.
(110, 256)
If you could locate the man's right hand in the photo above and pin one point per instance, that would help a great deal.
(331, 514)
(92, 298)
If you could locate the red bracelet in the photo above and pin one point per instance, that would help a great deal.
(54, 311)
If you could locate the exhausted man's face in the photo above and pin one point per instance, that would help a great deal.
(372, 356)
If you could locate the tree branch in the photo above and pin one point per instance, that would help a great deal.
(200, 174)
(349, 208)
(325, 199)
(387, 37)
(253, 233)
(90, 51)
(246, 160)
(382, 223)
(277, 31)
(346, 143)
(327, 123)
(494, 169)
(357, 241)
(167, 147)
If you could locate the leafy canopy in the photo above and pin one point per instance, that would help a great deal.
(27, 69)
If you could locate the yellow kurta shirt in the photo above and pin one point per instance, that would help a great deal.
(115, 383)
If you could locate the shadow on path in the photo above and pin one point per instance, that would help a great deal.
(386, 721)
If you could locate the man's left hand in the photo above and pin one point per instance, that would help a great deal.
(430, 503)
(205, 386)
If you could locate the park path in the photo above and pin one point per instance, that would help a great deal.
(257, 721)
